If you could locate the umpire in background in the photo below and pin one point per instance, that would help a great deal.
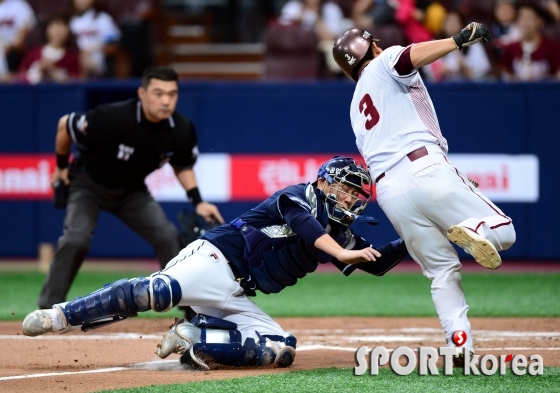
(119, 145)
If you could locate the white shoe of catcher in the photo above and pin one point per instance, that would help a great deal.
(481, 249)
(43, 321)
(172, 342)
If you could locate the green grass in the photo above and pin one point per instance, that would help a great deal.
(331, 294)
(337, 380)
(408, 294)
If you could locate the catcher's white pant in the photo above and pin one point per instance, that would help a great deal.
(422, 199)
(209, 287)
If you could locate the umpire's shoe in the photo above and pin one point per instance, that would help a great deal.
(43, 321)
(481, 249)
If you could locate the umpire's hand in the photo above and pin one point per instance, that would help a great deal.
(60, 174)
(209, 212)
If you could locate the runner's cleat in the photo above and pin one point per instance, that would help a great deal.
(480, 248)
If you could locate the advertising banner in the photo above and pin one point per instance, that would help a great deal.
(236, 177)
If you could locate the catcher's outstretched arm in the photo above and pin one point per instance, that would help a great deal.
(391, 255)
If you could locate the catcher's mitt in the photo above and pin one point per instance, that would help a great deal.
(192, 226)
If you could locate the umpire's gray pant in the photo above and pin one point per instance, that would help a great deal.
(137, 209)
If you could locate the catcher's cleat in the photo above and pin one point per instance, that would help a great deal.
(190, 361)
(285, 356)
(172, 342)
(481, 249)
(43, 321)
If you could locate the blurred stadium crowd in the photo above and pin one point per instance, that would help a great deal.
(74, 40)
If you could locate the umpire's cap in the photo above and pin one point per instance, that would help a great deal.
(350, 49)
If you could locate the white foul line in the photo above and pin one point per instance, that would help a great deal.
(70, 337)
(101, 370)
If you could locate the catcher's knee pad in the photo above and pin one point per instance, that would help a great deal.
(123, 299)
(165, 292)
(210, 340)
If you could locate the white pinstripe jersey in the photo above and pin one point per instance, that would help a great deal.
(392, 114)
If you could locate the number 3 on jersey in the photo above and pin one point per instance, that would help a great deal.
(370, 112)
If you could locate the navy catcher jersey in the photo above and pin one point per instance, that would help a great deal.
(268, 217)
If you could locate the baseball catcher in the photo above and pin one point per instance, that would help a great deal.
(265, 249)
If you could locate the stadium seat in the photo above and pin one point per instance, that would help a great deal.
(291, 53)
(44, 9)
(389, 35)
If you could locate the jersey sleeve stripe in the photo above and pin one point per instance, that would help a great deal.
(397, 60)
(403, 65)
(71, 128)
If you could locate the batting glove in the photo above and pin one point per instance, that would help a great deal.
(470, 35)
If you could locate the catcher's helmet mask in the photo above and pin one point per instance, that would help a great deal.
(352, 49)
(341, 172)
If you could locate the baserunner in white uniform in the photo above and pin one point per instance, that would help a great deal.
(426, 198)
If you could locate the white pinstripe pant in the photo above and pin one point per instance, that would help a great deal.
(422, 199)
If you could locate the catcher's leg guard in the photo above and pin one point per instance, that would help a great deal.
(214, 340)
(122, 299)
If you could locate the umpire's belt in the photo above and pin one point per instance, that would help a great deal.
(413, 156)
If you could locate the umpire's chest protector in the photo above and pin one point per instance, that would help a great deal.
(275, 255)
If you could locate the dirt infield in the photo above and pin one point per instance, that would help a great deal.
(122, 355)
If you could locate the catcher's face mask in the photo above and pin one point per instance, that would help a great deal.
(348, 189)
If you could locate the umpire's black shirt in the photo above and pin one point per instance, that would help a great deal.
(119, 147)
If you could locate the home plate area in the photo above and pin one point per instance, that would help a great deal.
(122, 355)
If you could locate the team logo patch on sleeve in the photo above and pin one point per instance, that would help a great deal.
(82, 124)
(214, 256)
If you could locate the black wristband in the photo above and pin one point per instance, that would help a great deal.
(62, 160)
(194, 196)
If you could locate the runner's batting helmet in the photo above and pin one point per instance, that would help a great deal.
(351, 48)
